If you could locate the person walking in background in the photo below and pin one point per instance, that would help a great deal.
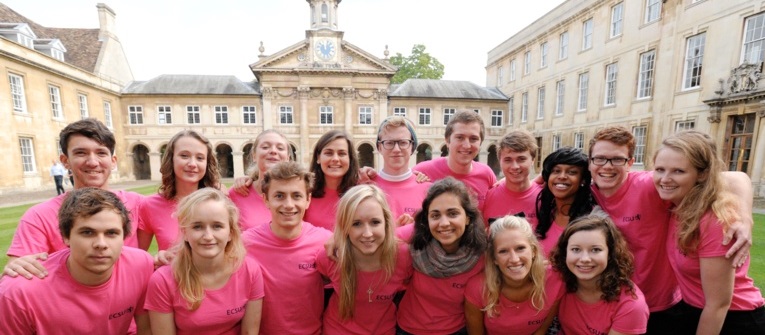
(57, 172)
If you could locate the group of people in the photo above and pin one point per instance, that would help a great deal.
(588, 247)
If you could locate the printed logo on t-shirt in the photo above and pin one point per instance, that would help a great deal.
(307, 266)
(458, 285)
(235, 310)
(384, 297)
(635, 217)
(535, 322)
(410, 210)
(126, 311)
(594, 331)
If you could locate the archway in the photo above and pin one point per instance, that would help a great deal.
(366, 155)
(424, 153)
(247, 158)
(141, 164)
(293, 153)
(493, 160)
(444, 150)
(225, 160)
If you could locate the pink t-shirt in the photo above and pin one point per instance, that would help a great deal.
(157, 217)
(220, 312)
(322, 211)
(515, 318)
(643, 218)
(480, 178)
(435, 305)
(60, 305)
(551, 238)
(500, 202)
(38, 231)
(252, 209)
(294, 291)
(404, 197)
(628, 315)
(373, 313)
(746, 296)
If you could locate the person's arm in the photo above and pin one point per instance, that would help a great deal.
(162, 323)
(548, 320)
(144, 239)
(142, 324)
(251, 319)
(739, 184)
(242, 186)
(367, 175)
(717, 277)
(473, 319)
(26, 266)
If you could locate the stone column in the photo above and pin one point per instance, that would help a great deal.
(155, 161)
(238, 158)
(382, 109)
(303, 92)
(268, 115)
(348, 94)
(758, 156)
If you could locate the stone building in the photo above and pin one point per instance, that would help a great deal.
(654, 66)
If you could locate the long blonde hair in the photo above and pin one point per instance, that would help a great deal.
(493, 283)
(347, 267)
(700, 149)
(184, 271)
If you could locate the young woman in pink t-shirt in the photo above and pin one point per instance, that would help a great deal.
(210, 288)
(596, 265)
(719, 298)
(517, 294)
(371, 267)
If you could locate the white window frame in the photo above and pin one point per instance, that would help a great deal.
(584, 87)
(544, 49)
(694, 59)
(639, 133)
(563, 47)
(579, 140)
(221, 114)
(617, 19)
(612, 70)
(587, 30)
(27, 147)
(527, 62)
(685, 125)
(497, 117)
(500, 75)
(55, 102)
(164, 114)
(365, 115)
(424, 116)
(193, 115)
(752, 46)
(524, 107)
(652, 10)
(555, 142)
(82, 101)
(646, 75)
(541, 103)
(135, 114)
(326, 115)
(286, 115)
(399, 111)
(512, 70)
(511, 110)
(18, 96)
(249, 115)
(108, 120)
(448, 114)
(560, 97)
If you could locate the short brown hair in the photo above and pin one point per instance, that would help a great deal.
(286, 171)
(519, 140)
(88, 201)
(617, 135)
(464, 117)
(90, 128)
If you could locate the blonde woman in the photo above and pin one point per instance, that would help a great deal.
(371, 267)
(210, 288)
(517, 294)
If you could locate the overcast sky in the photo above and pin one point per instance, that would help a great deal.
(222, 37)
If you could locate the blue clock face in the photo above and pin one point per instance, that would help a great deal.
(325, 49)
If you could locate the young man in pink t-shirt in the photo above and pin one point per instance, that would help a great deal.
(88, 150)
(286, 249)
(95, 286)
(464, 135)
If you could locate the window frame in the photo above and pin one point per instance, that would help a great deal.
(646, 69)
(640, 143)
(365, 112)
(221, 114)
(579, 140)
(55, 102)
(560, 97)
(563, 46)
(524, 107)
(193, 115)
(424, 113)
(652, 7)
(556, 143)
(163, 111)
(249, 114)
(18, 94)
(448, 114)
(544, 49)
(497, 115)
(28, 163)
(512, 69)
(583, 92)
(135, 114)
(693, 64)
(617, 20)
(399, 111)
(108, 120)
(326, 115)
(82, 102)
(745, 55)
(527, 63)
(541, 92)
(609, 98)
(588, 29)
(286, 113)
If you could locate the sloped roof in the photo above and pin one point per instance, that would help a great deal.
(82, 45)
(193, 84)
(445, 89)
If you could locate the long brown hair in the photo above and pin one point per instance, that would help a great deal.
(212, 172)
(350, 179)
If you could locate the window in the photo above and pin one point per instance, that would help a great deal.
(192, 115)
(584, 82)
(511, 110)
(556, 142)
(500, 76)
(477, 111)
(541, 103)
(645, 80)
(652, 10)
(694, 54)
(324, 13)
(524, 106)
(221, 114)
(83, 102)
(17, 93)
(527, 62)
(611, 70)
(617, 15)
(512, 70)
(135, 114)
(27, 155)
(579, 141)
(248, 115)
(326, 114)
(639, 134)
(424, 116)
(57, 54)
(399, 111)
(587, 34)
(448, 113)
(544, 48)
(754, 39)
(563, 49)
(164, 115)
(285, 115)
(365, 115)
(55, 101)
(496, 118)
(108, 114)
(560, 91)
(685, 125)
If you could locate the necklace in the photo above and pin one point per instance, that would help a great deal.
(369, 293)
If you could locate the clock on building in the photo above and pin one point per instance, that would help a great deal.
(325, 49)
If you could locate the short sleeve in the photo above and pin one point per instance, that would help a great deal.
(474, 290)
(255, 275)
(632, 314)
(159, 294)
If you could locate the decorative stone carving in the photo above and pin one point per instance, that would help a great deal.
(743, 78)
(382, 94)
(267, 92)
(303, 92)
(714, 115)
(290, 93)
(349, 92)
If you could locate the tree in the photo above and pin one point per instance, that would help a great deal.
(419, 64)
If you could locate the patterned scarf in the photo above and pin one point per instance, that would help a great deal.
(434, 262)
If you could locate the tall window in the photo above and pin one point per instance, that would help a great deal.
(524, 106)
(639, 134)
(221, 114)
(424, 116)
(645, 80)
(544, 48)
(285, 115)
(587, 34)
(500, 76)
(83, 102)
(556, 142)
(496, 118)
(563, 49)
(192, 115)
(579, 141)
(448, 113)
(135, 114)
(164, 115)
(694, 56)
(685, 125)
(560, 96)
(17, 93)
(55, 101)
(754, 39)
(512, 70)
(541, 103)
(527, 62)
(248, 115)
(610, 94)
(108, 114)
(584, 83)
(399, 111)
(326, 115)
(27, 155)
(617, 16)
(511, 110)
(652, 10)
(365, 115)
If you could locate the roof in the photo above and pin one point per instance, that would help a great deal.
(446, 89)
(193, 84)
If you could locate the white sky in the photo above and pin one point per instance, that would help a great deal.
(222, 37)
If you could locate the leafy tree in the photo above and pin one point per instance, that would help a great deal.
(419, 64)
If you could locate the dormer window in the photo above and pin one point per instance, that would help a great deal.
(51, 47)
(324, 13)
(18, 32)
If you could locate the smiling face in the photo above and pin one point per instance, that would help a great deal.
(396, 160)
(270, 150)
(610, 178)
(208, 232)
(564, 182)
(513, 256)
(95, 243)
(91, 162)
(334, 159)
(587, 255)
(447, 221)
(367, 231)
(189, 160)
(674, 175)
(287, 200)
(516, 167)
(464, 143)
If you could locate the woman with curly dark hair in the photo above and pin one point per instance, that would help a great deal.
(596, 265)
